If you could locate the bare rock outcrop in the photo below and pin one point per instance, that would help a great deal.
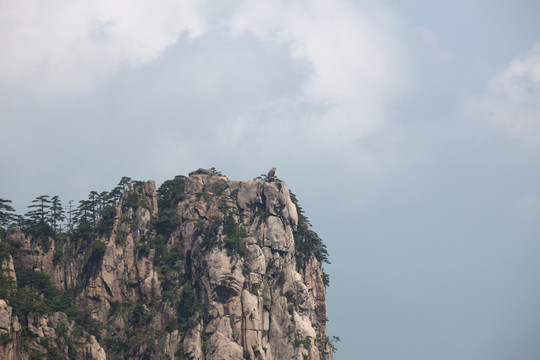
(11, 346)
(201, 268)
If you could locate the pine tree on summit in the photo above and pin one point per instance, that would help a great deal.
(38, 218)
(116, 193)
(93, 203)
(7, 215)
(57, 213)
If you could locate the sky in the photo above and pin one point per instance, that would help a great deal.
(409, 130)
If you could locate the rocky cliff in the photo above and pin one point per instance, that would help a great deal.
(202, 268)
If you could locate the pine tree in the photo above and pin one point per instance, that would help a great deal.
(103, 200)
(71, 215)
(119, 189)
(83, 212)
(83, 218)
(38, 218)
(93, 204)
(56, 213)
(7, 216)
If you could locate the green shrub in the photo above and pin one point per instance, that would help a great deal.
(97, 250)
(78, 331)
(143, 250)
(35, 355)
(5, 251)
(133, 200)
(5, 339)
(170, 193)
(172, 325)
(280, 281)
(57, 257)
(120, 239)
(188, 307)
(234, 236)
(108, 215)
(307, 243)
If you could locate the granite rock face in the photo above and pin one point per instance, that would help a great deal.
(203, 268)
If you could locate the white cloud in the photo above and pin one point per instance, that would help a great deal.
(511, 100)
(64, 46)
(355, 56)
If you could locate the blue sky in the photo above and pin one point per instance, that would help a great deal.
(410, 131)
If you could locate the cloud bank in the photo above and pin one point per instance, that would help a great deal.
(351, 52)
